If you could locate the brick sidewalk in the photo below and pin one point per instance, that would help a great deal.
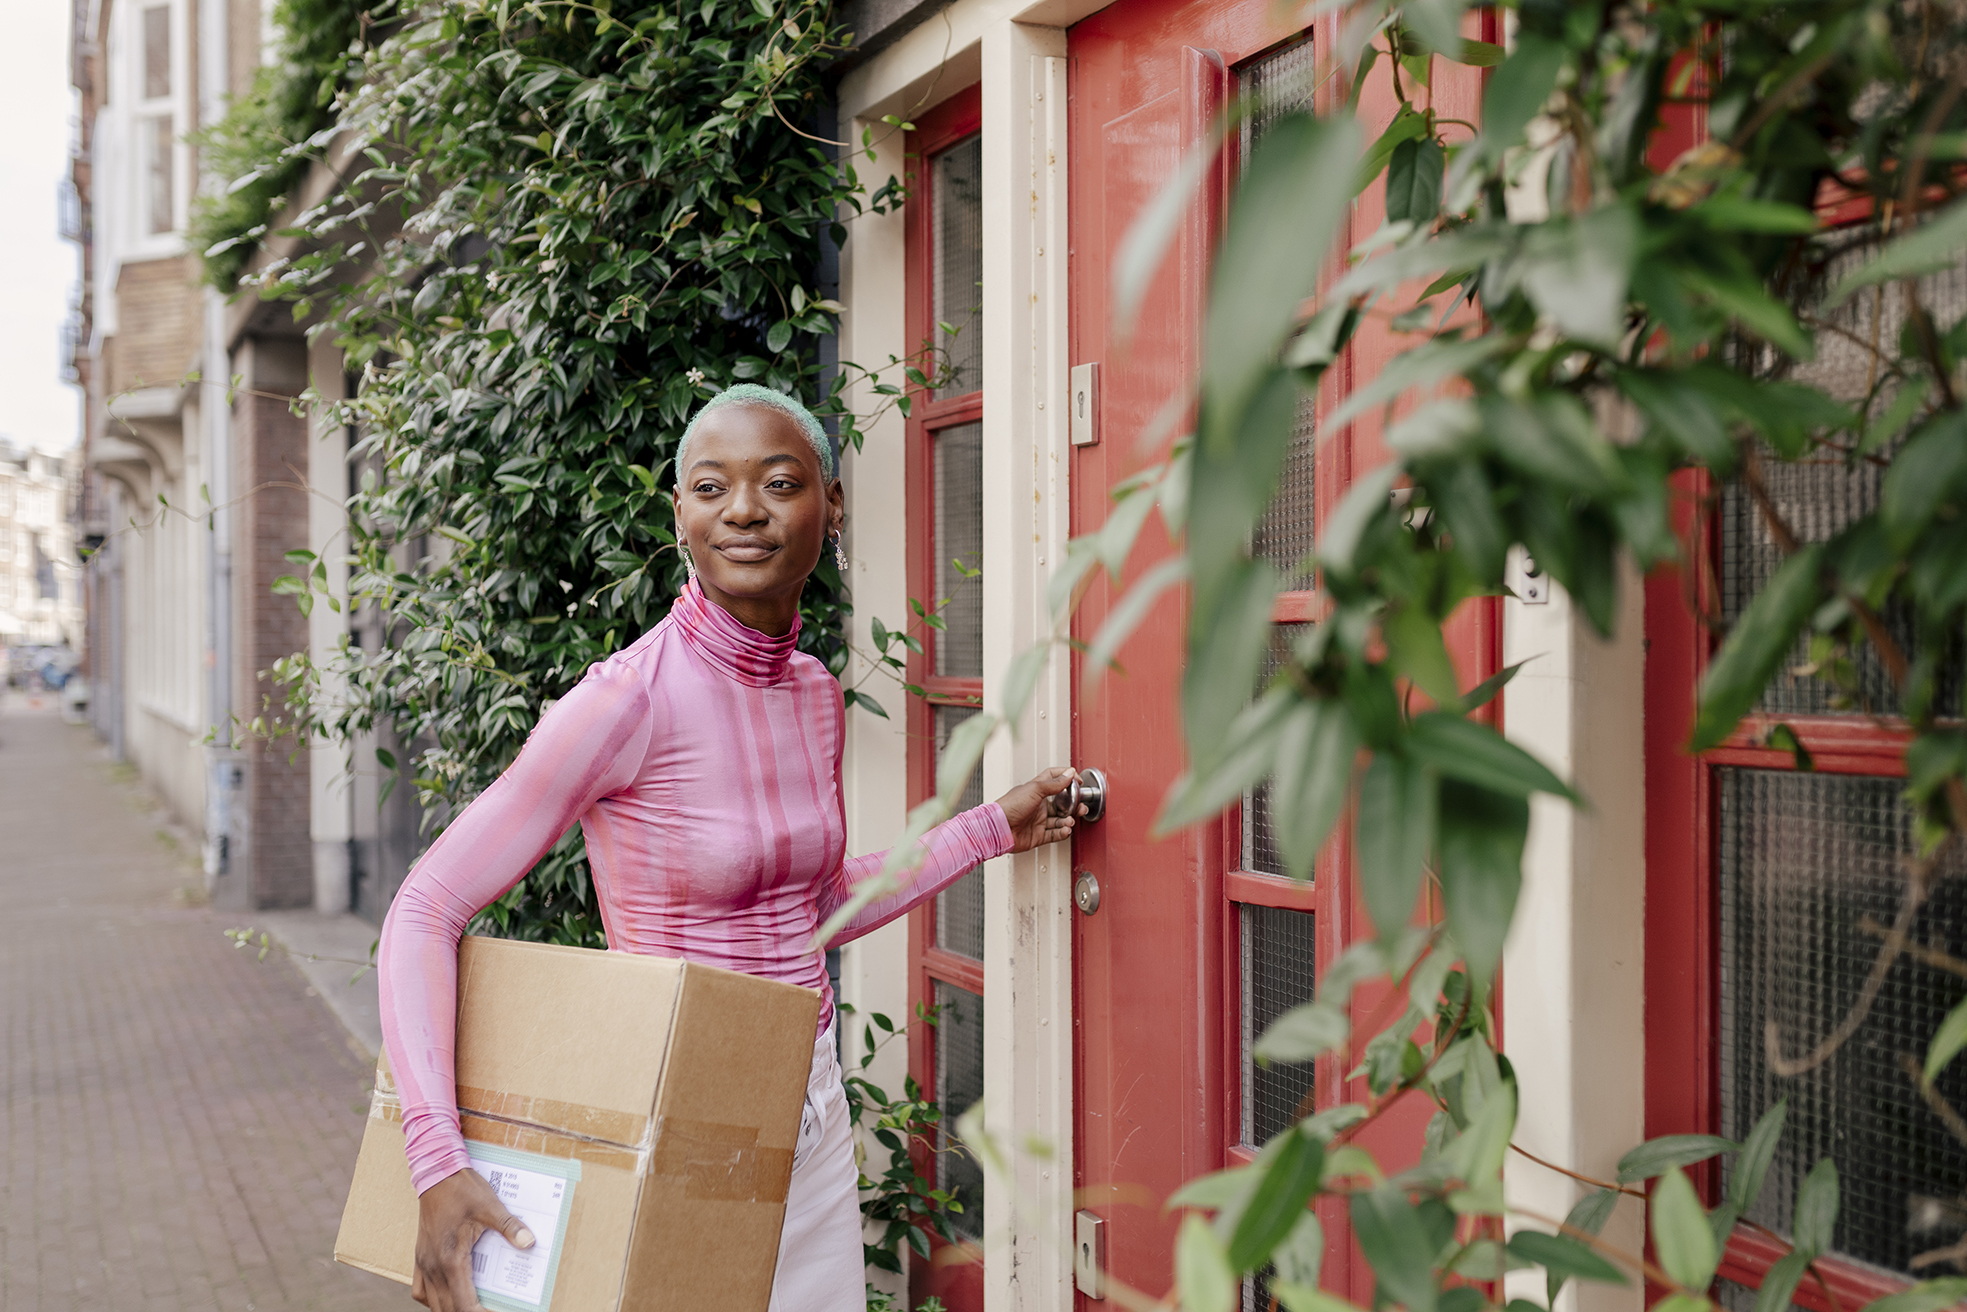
(179, 1121)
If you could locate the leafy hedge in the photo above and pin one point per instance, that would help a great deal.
(573, 224)
(260, 149)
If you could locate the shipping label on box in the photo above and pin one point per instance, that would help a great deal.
(639, 1113)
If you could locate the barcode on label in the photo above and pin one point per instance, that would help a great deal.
(479, 1262)
(496, 1179)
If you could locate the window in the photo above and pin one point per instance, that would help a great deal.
(1272, 917)
(945, 543)
(156, 125)
(1769, 887)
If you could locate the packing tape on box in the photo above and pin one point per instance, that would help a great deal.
(722, 1163)
(717, 1162)
(388, 1106)
(624, 1128)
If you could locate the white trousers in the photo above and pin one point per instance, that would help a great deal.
(820, 1267)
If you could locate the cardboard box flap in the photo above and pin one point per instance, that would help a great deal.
(520, 1059)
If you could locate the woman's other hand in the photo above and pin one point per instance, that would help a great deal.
(451, 1215)
(1032, 823)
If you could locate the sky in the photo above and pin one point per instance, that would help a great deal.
(38, 270)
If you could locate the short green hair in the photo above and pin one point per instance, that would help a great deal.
(765, 397)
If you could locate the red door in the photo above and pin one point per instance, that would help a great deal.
(1198, 940)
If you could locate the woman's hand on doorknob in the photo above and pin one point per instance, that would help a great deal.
(1032, 823)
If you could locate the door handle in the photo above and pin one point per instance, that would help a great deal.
(1088, 789)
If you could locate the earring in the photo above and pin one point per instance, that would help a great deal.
(689, 563)
(839, 553)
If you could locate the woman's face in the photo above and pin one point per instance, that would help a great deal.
(753, 507)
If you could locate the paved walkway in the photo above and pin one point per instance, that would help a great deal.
(177, 1120)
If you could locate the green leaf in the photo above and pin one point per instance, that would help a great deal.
(1758, 1150)
(1485, 692)
(1743, 299)
(1348, 523)
(1481, 865)
(1682, 1240)
(1417, 652)
(1733, 213)
(1438, 23)
(1413, 181)
(1301, 1257)
(1021, 679)
(1146, 244)
(1577, 273)
(1314, 771)
(1684, 411)
(1476, 754)
(1306, 1031)
(1563, 1258)
(1247, 753)
(1476, 54)
(1755, 647)
(1203, 1275)
(1406, 126)
(1593, 1211)
(1281, 221)
(1421, 367)
(1224, 658)
(1933, 245)
(1294, 1297)
(1933, 1296)
(960, 755)
(1925, 473)
(1393, 832)
(1780, 1281)
(1816, 1209)
(1279, 1201)
(1126, 616)
(1657, 1156)
(1477, 1155)
(1947, 1042)
(1215, 1190)
(1391, 1234)
(1518, 89)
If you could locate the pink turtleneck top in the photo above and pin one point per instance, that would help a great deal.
(703, 764)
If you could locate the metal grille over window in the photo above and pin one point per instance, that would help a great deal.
(960, 907)
(1277, 83)
(958, 213)
(1260, 851)
(1285, 535)
(1277, 970)
(1821, 494)
(958, 461)
(959, 1087)
(1812, 868)
(1280, 82)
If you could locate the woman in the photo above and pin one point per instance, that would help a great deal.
(703, 763)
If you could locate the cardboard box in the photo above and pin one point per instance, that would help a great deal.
(639, 1113)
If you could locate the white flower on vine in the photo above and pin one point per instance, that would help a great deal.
(695, 376)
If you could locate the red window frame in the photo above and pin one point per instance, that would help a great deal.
(959, 1282)
(1683, 956)
(1474, 639)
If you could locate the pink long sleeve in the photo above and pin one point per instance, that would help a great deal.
(703, 764)
(588, 745)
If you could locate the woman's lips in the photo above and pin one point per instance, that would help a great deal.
(745, 549)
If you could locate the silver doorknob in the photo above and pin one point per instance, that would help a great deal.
(1087, 790)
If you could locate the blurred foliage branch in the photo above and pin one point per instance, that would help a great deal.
(1600, 340)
